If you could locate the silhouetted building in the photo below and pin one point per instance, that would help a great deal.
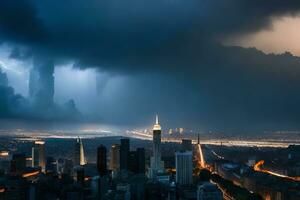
(184, 167)
(38, 155)
(79, 170)
(114, 162)
(140, 160)
(101, 160)
(51, 165)
(137, 161)
(133, 164)
(68, 167)
(18, 163)
(124, 154)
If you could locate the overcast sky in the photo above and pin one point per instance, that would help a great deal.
(215, 65)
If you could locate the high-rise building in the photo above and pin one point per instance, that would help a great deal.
(51, 165)
(114, 162)
(68, 167)
(209, 191)
(137, 161)
(133, 164)
(79, 174)
(101, 160)
(79, 158)
(124, 153)
(18, 163)
(186, 145)
(156, 164)
(140, 153)
(38, 155)
(184, 167)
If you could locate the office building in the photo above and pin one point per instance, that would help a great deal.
(114, 162)
(124, 153)
(101, 160)
(18, 163)
(79, 172)
(184, 167)
(156, 164)
(51, 165)
(140, 153)
(38, 155)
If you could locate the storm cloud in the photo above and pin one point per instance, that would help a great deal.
(171, 52)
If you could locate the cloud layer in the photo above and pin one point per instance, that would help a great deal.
(171, 51)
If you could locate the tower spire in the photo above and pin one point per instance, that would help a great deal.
(156, 125)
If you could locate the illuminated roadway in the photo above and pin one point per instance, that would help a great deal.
(258, 165)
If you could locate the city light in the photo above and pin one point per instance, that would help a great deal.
(258, 167)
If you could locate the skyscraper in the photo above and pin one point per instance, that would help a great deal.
(124, 154)
(140, 153)
(156, 165)
(101, 160)
(184, 167)
(38, 155)
(18, 163)
(137, 161)
(79, 158)
(51, 165)
(114, 162)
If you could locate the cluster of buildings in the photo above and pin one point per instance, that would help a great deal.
(119, 173)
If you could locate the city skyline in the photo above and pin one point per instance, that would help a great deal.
(149, 100)
(128, 168)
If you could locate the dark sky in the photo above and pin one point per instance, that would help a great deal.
(150, 56)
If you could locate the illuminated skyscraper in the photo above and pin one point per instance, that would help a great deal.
(114, 162)
(38, 155)
(156, 165)
(79, 158)
(184, 167)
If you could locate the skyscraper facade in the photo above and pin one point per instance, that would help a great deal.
(38, 155)
(114, 162)
(101, 160)
(140, 153)
(124, 153)
(156, 164)
(79, 158)
(184, 167)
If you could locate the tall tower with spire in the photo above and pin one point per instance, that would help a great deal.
(156, 165)
(79, 158)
